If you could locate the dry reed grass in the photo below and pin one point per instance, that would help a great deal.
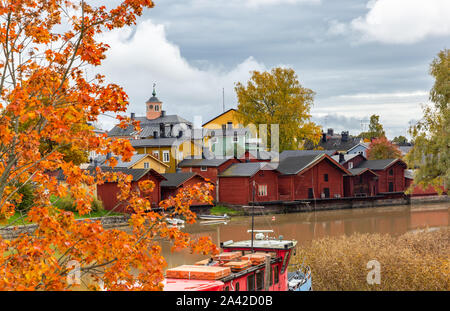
(413, 261)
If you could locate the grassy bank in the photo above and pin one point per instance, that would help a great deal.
(413, 261)
(220, 210)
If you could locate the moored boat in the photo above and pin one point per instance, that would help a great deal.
(251, 265)
(213, 217)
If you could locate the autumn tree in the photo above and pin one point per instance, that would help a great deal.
(47, 97)
(400, 140)
(431, 135)
(277, 97)
(375, 129)
(382, 148)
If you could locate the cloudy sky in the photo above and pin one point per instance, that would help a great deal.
(360, 57)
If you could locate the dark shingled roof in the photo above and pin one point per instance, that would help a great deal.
(164, 142)
(173, 180)
(144, 122)
(294, 165)
(377, 164)
(333, 143)
(245, 169)
(202, 162)
(137, 174)
(296, 153)
(359, 171)
(153, 99)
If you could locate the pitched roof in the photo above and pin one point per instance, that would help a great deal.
(155, 142)
(245, 169)
(360, 170)
(202, 162)
(166, 119)
(218, 116)
(174, 180)
(294, 165)
(337, 143)
(297, 153)
(363, 144)
(101, 160)
(347, 157)
(378, 164)
(137, 174)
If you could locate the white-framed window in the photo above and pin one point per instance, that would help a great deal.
(156, 154)
(262, 190)
(350, 165)
(146, 165)
(156, 108)
(235, 139)
(203, 168)
(166, 156)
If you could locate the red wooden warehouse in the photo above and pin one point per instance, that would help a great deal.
(311, 176)
(391, 174)
(176, 182)
(236, 184)
(108, 191)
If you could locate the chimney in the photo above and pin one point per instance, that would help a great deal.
(341, 158)
(155, 134)
(163, 113)
(344, 136)
(132, 115)
(324, 137)
(330, 132)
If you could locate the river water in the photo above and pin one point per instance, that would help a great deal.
(305, 227)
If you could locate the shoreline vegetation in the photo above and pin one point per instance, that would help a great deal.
(413, 261)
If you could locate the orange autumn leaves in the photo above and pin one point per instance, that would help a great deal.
(47, 100)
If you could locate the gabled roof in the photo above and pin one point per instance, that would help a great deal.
(155, 142)
(219, 116)
(347, 157)
(101, 160)
(336, 143)
(245, 169)
(298, 153)
(379, 164)
(362, 144)
(174, 180)
(137, 174)
(295, 165)
(202, 162)
(359, 171)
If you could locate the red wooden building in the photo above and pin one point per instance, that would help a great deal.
(207, 168)
(108, 191)
(237, 183)
(310, 176)
(418, 190)
(390, 173)
(176, 182)
(362, 182)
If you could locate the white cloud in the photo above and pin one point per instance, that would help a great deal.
(138, 58)
(258, 3)
(403, 21)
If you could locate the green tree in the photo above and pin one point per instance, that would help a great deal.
(277, 97)
(375, 129)
(382, 148)
(400, 140)
(431, 135)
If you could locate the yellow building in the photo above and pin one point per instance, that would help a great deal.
(228, 119)
(169, 151)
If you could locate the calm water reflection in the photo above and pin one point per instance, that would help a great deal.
(305, 227)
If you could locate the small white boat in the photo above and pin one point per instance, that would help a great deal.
(214, 222)
(213, 217)
(175, 221)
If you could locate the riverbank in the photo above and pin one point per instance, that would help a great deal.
(413, 261)
(328, 204)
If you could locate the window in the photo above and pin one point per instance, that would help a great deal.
(150, 107)
(156, 108)
(166, 156)
(326, 191)
(325, 177)
(146, 165)
(262, 190)
(391, 187)
(310, 193)
(350, 165)
(203, 168)
(391, 172)
(275, 275)
(235, 139)
(260, 280)
(156, 154)
(251, 282)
